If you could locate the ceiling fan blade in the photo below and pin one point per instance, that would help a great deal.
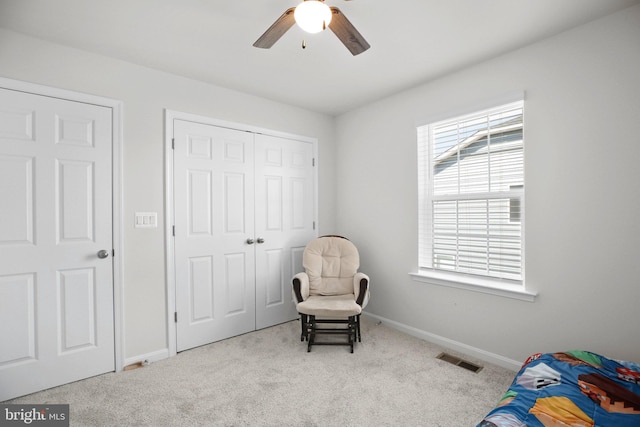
(276, 30)
(347, 33)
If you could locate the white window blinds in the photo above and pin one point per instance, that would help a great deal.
(471, 188)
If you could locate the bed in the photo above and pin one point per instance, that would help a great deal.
(573, 388)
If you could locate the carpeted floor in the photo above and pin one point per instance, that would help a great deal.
(267, 378)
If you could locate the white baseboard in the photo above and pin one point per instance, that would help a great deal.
(154, 356)
(477, 353)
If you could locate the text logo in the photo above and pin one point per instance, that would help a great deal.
(34, 415)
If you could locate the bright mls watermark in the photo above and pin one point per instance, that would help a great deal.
(34, 415)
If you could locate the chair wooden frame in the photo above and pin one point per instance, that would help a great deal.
(310, 329)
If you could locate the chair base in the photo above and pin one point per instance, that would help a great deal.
(310, 330)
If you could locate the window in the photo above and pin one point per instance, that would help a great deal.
(471, 195)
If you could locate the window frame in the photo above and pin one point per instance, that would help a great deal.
(508, 287)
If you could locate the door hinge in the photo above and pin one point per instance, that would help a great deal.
(313, 161)
(173, 230)
(113, 252)
(173, 143)
(314, 225)
(175, 316)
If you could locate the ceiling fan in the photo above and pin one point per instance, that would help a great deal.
(321, 16)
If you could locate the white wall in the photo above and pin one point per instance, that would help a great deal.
(145, 94)
(582, 145)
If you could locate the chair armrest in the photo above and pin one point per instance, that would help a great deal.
(300, 283)
(361, 289)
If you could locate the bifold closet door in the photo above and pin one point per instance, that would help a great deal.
(244, 206)
(214, 228)
(285, 203)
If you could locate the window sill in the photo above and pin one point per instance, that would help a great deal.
(475, 284)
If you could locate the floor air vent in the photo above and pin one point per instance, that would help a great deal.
(459, 362)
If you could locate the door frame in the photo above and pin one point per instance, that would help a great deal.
(169, 117)
(116, 181)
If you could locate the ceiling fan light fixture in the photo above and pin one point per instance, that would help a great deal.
(312, 16)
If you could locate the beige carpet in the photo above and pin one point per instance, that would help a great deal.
(267, 378)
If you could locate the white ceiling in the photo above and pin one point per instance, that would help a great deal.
(412, 41)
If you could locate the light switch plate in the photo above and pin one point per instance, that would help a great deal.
(146, 220)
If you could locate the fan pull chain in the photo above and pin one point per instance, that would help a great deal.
(304, 44)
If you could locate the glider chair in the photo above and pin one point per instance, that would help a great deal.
(331, 292)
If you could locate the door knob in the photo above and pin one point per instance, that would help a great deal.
(250, 241)
(260, 240)
(103, 254)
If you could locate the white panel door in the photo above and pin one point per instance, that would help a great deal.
(213, 211)
(285, 203)
(56, 293)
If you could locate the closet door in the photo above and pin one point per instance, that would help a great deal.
(214, 232)
(284, 221)
(244, 208)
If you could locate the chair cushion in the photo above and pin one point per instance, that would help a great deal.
(330, 306)
(330, 263)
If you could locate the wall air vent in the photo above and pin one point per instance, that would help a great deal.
(459, 362)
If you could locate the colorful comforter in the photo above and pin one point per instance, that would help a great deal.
(575, 388)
